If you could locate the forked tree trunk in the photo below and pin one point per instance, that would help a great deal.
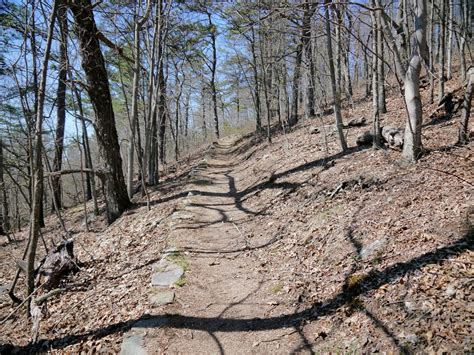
(115, 190)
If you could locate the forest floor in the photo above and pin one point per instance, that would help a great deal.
(287, 247)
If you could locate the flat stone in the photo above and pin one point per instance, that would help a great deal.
(161, 297)
(134, 340)
(133, 344)
(167, 277)
(373, 248)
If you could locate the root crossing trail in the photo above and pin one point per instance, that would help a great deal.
(225, 289)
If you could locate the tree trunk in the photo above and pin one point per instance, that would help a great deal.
(412, 142)
(335, 93)
(134, 118)
(61, 104)
(376, 76)
(466, 109)
(431, 65)
(309, 10)
(115, 190)
(382, 107)
(296, 84)
(258, 119)
(213, 29)
(442, 47)
(163, 116)
(37, 168)
(4, 221)
(463, 36)
(449, 63)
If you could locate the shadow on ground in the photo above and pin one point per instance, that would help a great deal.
(295, 320)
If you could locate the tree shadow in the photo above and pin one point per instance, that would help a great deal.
(372, 281)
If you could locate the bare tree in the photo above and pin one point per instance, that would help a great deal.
(115, 191)
(37, 166)
(466, 108)
(412, 142)
(334, 89)
(61, 104)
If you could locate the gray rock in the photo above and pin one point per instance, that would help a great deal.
(168, 277)
(357, 122)
(411, 338)
(450, 291)
(134, 340)
(4, 289)
(133, 344)
(161, 297)
(393, 136)
(372, 249)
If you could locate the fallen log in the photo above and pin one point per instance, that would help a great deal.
(55, 265)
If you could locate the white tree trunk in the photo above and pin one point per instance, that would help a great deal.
(412, 142)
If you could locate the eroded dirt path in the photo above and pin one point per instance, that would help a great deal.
(225, 303)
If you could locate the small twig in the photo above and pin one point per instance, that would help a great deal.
(336, 190)
(448, 173)
(48, 295)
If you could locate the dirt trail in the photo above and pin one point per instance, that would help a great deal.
(225, 292)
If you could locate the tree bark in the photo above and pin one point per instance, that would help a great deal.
(375, 76)
(61, 104)
(412, 142)
(382, 107)
(335, 93)
(466, 109)
(442, 47)
(115, 190)
(4, 221)
(449, 63)
(37, 166)
(296, 84)
(213, 29)
(309, 10)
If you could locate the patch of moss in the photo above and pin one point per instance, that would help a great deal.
(181, 282)
(277, 288)
(178, 259)
(353, 281)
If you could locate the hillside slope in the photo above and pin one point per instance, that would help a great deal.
(290, 247)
